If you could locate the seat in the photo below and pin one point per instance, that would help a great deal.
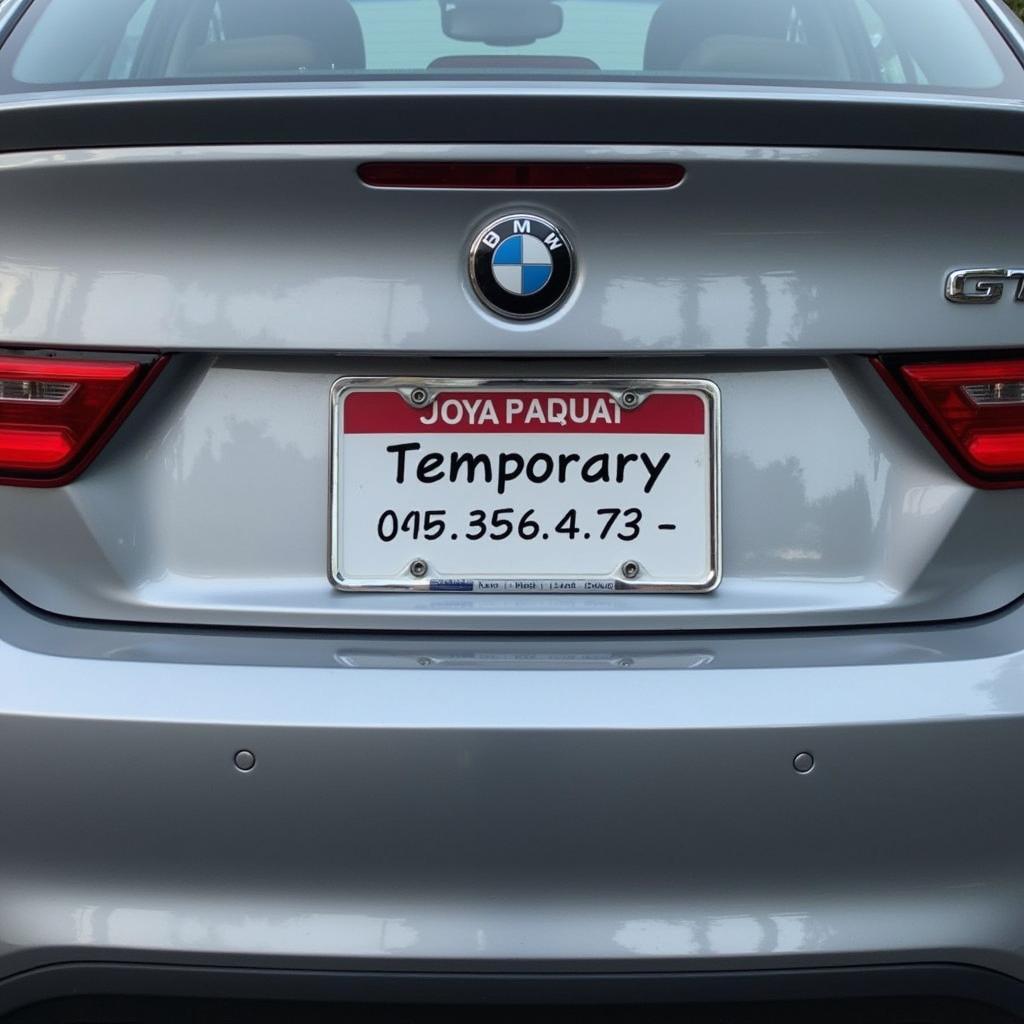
(317, 35)
(502, 61)
(253, 55)
(730, 37)
(758, 57)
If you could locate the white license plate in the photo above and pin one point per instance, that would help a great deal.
(523, 487)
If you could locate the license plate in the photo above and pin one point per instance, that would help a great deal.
(525, 487)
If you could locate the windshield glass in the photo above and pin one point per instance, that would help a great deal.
(896, 44)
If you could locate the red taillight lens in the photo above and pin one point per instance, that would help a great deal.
(973, 411)
(56, 413)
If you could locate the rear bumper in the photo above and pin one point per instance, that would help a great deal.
(456, 805)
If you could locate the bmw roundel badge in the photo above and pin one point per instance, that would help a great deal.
(521, 266)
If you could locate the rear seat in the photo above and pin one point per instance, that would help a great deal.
(730, 38)
(318, 35)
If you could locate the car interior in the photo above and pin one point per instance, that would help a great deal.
(779, 40)
(693, 37)
(235, 36)
(824, 41)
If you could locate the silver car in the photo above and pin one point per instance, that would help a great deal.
(511, 502)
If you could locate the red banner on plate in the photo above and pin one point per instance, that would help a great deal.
(523, 412)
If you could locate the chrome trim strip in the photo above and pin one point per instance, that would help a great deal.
(10, 14)
(1006, 25)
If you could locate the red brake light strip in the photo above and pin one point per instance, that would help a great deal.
(520, 176)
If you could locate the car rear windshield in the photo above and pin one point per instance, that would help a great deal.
(946, 45)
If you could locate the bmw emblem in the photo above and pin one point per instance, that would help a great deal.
(521, 266)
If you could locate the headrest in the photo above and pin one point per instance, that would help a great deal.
(680, 27)
(266, 37)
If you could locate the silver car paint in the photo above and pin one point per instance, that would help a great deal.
(759, 250)
(432, 804)
(627, 803)
(210, 507)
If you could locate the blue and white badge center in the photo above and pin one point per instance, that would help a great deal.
(522, 265)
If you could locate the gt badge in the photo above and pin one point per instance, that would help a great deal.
(983, 287)
(521, 266)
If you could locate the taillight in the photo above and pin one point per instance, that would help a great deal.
(972, 411)
(55, 414)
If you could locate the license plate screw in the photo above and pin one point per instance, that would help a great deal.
(630, 400)
(419, 397)
(419, 568)
(630, 570)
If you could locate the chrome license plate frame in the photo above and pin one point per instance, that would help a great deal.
(422, 395)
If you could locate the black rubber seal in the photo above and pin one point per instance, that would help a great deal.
(925, 981)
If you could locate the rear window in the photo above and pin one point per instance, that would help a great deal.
(946, 45)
